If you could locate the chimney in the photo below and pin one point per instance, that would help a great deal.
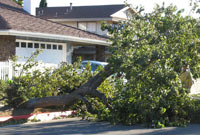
(70, 6)
(27, 6)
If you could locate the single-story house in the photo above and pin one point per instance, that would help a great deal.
(88, 18)
(21, 34)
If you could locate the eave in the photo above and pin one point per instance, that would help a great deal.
(55, 37)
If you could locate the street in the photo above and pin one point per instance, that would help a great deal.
(76, 126)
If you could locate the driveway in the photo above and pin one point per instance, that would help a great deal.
(75, 126)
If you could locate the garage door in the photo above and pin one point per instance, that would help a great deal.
(51, 52)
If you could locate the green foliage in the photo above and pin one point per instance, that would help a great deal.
(43, 3)
(50, 82)
(151, 49)
(20, 2)
(195, 117)
(3, 86)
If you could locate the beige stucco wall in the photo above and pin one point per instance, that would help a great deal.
(73, 24)
(98, 25)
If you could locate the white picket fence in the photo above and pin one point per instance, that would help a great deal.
(7, 71)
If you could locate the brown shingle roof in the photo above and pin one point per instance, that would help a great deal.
(19, 21)
(11, 5)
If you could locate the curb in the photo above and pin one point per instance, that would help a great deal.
(38, 116)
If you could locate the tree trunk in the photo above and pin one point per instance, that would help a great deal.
(89, 88)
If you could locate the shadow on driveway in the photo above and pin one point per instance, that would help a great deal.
(77, 126)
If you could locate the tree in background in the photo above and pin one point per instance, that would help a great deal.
(43, 3)
(20, 2)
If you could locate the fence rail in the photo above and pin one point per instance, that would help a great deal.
(7, 72)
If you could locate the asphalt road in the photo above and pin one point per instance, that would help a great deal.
(76, 126)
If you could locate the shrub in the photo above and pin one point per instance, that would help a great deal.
(3, 87)
(50, 82)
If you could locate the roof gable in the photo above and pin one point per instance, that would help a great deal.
(102, 11)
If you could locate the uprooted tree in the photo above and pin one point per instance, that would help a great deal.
(150, 50)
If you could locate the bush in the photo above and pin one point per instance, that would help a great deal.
(195, 113)
(3, 87)
(50, 82)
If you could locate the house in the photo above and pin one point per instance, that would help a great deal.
(21, 34)
(88, 18)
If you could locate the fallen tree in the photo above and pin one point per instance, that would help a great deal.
(89, 88)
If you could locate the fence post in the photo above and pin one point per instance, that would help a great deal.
(10, 71)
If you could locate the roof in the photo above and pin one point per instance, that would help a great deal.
(101, 11)
(11, 5)
(12, 18)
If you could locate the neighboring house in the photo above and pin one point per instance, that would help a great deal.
(21, 34)
(88, 18)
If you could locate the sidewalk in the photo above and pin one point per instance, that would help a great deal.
(76, 126)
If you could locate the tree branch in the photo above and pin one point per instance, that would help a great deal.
(88, 88)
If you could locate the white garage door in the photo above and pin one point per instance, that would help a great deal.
(51, 52)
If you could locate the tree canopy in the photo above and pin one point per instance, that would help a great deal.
(20, 2)
(43, 3)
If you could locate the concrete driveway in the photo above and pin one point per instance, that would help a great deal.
(75, 126)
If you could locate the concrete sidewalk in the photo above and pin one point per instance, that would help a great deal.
(76, 126)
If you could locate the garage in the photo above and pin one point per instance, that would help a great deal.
(52, 53)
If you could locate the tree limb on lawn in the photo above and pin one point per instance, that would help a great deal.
(89, 88)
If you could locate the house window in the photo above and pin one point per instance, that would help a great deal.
(17, 44)
(69, 47)
(91, 27)
(36, 45)
(48, 46)
(42, 46)
(30, 45)
(60, 47)
(82, 26)
(88, 26)
(54, 47)
(23, 45)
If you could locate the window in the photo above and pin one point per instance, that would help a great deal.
(36, 45)
(48, 46)
(42, 46)
(17, 44)
(30, 45)
(82, 26)
(60, 47)
(69, 47)
(54, 47)
(23, 45)
(91, 27)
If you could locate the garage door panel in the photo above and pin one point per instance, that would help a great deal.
(49, 54)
